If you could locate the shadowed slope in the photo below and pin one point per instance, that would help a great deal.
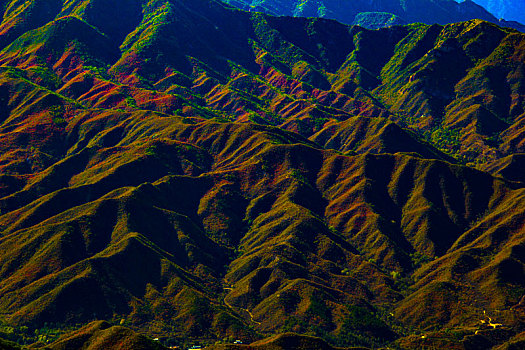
(368, 13)
(236, 174)
(510, 167)
(302, 218)
(288, 72)
(7, 345)
(101, 335)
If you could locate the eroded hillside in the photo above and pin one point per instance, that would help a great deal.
(201, 172)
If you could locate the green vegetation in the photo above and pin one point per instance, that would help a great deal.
(359, 325)
(202, 174)
(24, 335)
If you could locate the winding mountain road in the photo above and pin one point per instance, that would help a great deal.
(239, 308)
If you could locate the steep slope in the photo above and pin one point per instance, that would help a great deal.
(101, 335)
(293, 74)
(19, 17)
(510, 167)
(376, 20)
(203, 173)
(184, 238)
(375, 13)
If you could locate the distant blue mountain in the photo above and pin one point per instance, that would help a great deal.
(379, 13)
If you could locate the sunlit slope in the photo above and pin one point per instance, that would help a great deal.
(289, 72)
(200, 171)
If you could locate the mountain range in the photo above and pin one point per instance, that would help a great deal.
(375, 14)
(511, 10)
(203, 174)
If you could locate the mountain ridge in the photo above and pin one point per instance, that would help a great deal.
(510, 10)
(377, 14)
(273, 175)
